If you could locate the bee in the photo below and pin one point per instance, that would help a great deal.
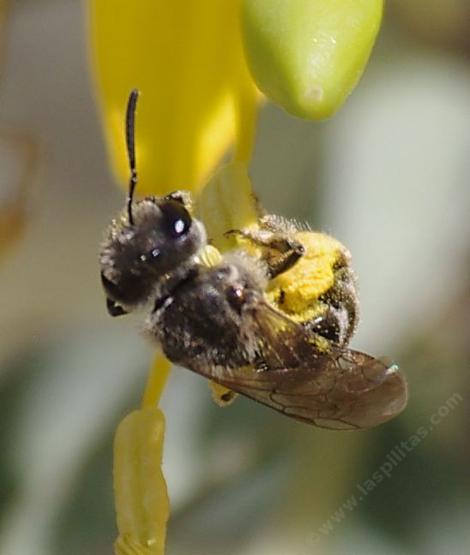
(270, 320)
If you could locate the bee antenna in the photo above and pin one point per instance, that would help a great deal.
(130, 143)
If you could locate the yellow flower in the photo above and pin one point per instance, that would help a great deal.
(198, 99)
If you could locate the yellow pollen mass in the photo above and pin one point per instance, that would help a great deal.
(296, 291)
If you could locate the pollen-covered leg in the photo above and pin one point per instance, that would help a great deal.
(333, 325)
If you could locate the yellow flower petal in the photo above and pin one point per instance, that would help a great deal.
(197, 96)
(140, 491)
(227, 202)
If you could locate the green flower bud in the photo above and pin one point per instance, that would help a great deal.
(308, 55)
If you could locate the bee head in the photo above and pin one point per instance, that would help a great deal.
(151, 239)
(135, 257)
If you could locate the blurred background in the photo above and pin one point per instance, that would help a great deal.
(388, 176)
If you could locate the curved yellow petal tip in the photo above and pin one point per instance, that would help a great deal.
(141, 496)
(308, 55)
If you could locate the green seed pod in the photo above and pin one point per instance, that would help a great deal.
(308, 55)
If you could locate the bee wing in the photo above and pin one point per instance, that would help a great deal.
(339, 389)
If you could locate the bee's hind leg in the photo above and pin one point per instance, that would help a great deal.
(340, 320)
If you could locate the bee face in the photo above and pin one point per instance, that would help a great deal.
(136, 258)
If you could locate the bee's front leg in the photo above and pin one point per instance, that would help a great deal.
(280, 252)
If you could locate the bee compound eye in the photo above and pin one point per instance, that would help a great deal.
(178, 219)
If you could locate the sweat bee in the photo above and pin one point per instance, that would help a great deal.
(270, 320)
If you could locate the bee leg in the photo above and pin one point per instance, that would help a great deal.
(114, 309)
(332, 325)
(286, 260)
(287, 250)
(340, 320)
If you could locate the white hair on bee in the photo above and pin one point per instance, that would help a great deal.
(302, 226)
